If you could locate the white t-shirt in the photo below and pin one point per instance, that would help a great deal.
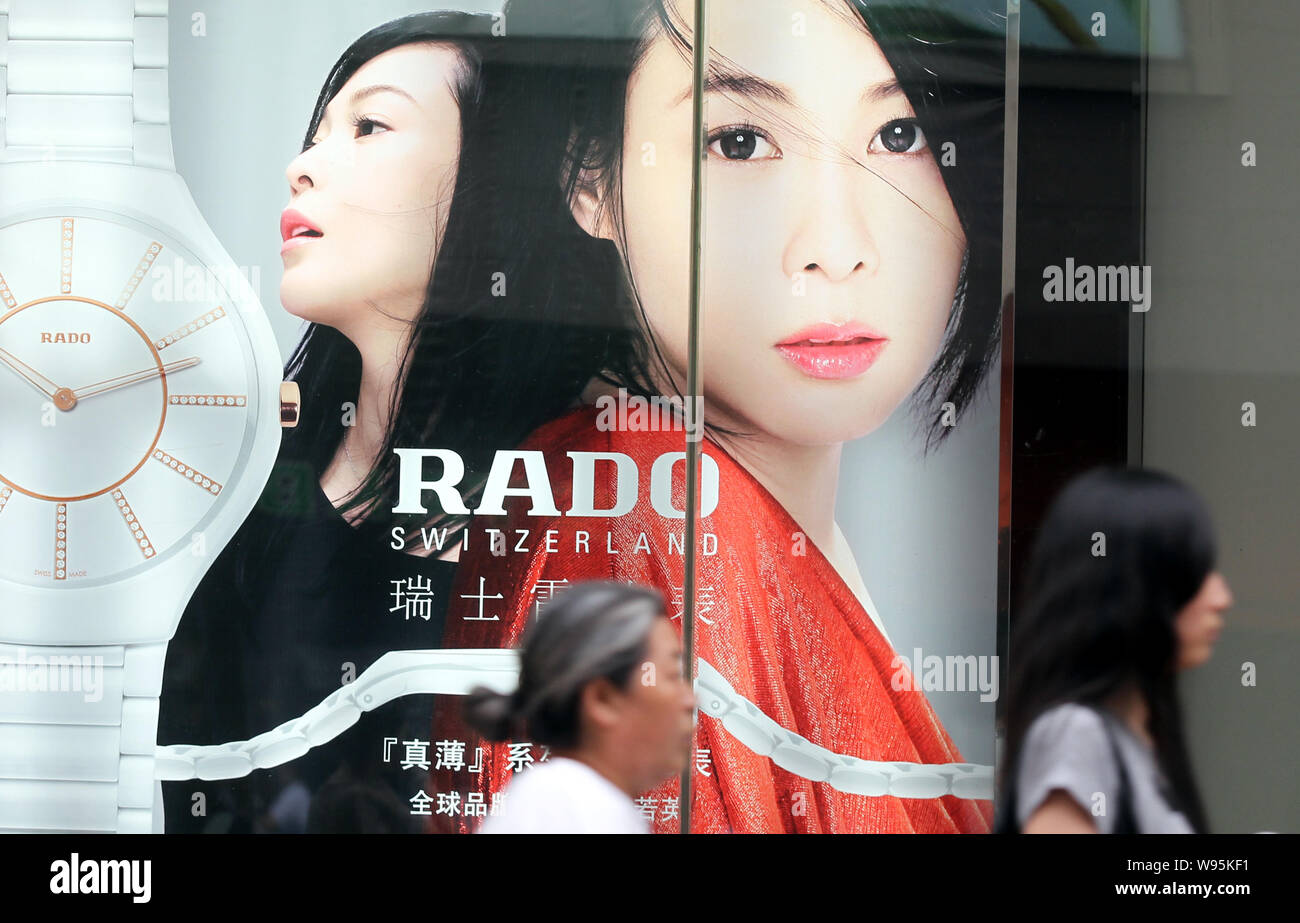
(563, 795)
(1066, 747)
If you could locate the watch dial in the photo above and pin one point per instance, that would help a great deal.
(126, 388)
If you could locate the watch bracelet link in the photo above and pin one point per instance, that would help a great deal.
(456, 671)
(794, 753)
(442, 671)
(78, 732)
(85, 80)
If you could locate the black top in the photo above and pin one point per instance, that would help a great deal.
(297, 604)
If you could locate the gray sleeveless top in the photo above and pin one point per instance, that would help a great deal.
(1066, 747)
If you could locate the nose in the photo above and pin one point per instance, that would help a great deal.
(1225, 594)
(830, 234)
(300, 172)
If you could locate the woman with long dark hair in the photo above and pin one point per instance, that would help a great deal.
(603, 689)
(437, 319)
(425, 316)
(1122, 595)
(849, 265)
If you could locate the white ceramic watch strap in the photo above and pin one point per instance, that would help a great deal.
(395, 674)
(85, 80)
(456, 672)
(78, 731)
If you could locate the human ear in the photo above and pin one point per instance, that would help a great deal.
(586, 202)
(601, 701)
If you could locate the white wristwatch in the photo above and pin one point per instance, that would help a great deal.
(140, 409)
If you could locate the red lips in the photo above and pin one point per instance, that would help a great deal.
(833, 351)
(820, 334)
(293, 223)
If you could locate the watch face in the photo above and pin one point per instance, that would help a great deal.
(126, 398)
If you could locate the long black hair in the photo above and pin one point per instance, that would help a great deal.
(1094, 626)
(594, 630)
(500, 345)
(952, 73)
(508, 333)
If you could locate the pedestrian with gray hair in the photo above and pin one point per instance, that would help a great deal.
(603, 685)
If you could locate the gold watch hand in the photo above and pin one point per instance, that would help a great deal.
(121, 381)
(33, 377)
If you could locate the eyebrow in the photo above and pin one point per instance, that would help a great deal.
(743, 83)
(366, 92)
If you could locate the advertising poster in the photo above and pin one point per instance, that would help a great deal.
(849, 320)
(339, 338)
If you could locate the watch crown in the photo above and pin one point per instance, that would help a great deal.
(290, 402)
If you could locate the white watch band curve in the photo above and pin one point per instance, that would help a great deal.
(85, 80)
(78, 737)
(455, 672)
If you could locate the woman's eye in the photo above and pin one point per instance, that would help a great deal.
(742, 143)
(366, 126)
(901, 136)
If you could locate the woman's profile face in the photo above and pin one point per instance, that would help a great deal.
(375, 184)
(659, 722)
(1198, 625)
(810, 256)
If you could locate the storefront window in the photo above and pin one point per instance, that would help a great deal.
(439, 314)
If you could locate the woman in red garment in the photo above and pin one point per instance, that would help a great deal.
(844, 271)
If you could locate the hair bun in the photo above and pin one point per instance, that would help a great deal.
(489, 712)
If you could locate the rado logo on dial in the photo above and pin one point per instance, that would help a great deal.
(65, 337)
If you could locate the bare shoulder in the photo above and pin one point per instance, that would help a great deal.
(1059, 813)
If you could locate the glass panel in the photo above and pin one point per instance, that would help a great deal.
(409, 343)
(509, 310)
(850, 319)
(1218, 405)
(600, 289)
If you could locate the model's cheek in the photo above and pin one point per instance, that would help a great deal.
(746, 382)
(923, 184)
(345, 282)
(743, 199)
(746, 311)
(403, 268)
(743, 271)
(923, 246)
(654, 261)
(749, 303)
(731, 300)
(418, 242)
(430, 199)
(670, 331)
(659, 262)
(924, 290)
